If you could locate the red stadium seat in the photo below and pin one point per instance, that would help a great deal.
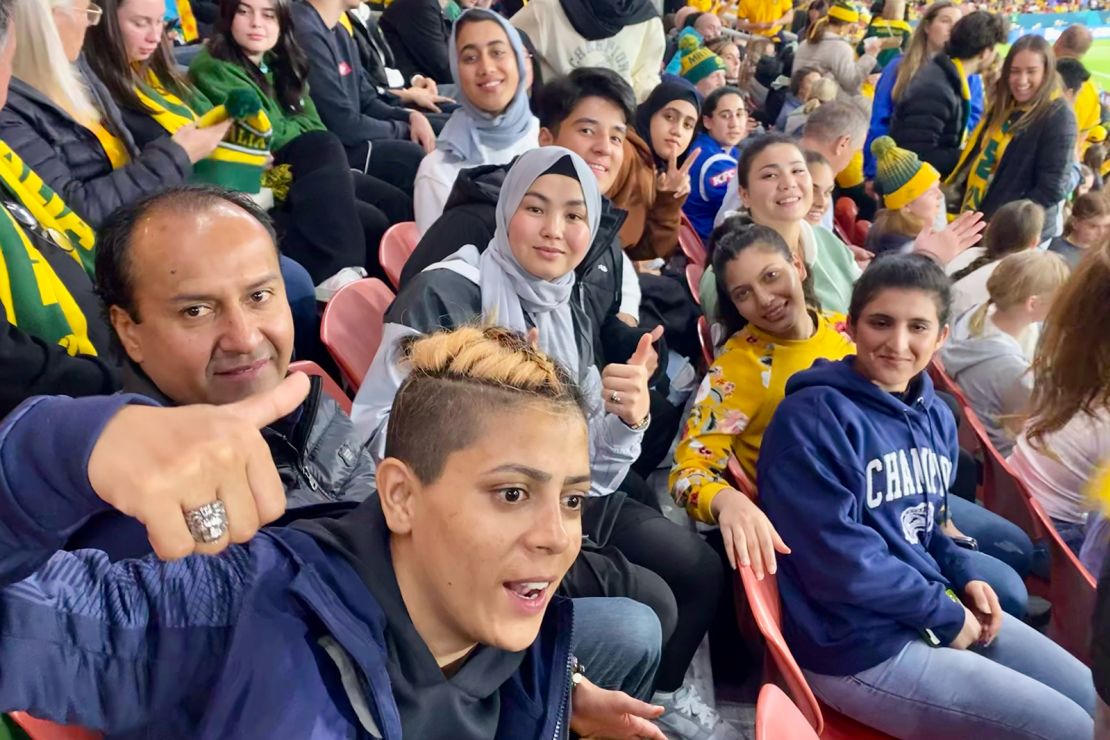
(1071, 590)
(863, 228)
(777, 718)
(351, 327)
(308, 367)
(41, 729)
(845, 214)
(705, 339)
(763, 602)
(694, 271)
(690, 242)
(396, 246)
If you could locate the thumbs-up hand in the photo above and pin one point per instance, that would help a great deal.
(624, 387)
(155, 464)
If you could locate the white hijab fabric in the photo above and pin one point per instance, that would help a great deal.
(469, 126)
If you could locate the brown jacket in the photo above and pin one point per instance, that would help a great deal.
(651, 229)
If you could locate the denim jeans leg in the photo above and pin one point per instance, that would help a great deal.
(1022, 686)
(997, 537)
(618, 641)
(1071, 533)
(1007, 584)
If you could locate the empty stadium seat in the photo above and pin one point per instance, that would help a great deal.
(763, 602)
(351, 327)
(694, 271)
(777, 718)
(690, 242)
(396, 247)
(41, 729)
(308, 367)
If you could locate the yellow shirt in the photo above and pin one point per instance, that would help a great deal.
(1088, 111)
(764, 11)
(735, 403)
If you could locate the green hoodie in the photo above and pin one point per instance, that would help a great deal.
(217, 78)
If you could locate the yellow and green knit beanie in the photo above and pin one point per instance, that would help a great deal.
(240, 160)
(900, 177)
(698, 64)
(844, 12)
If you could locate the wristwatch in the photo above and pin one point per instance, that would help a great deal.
(641, 425)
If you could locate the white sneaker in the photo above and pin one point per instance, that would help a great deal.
(331, 286)
(687, 717)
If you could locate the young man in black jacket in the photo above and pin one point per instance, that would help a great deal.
(931, 118)
(382, 139)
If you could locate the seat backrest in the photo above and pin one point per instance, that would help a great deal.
(969, 440)
(863, 228)
(396, 247)
(705, 339)
(694, 271)
(740, 479)
(42, 729)
(1071, 591)
(1003, 492)
(777, 718)
(763, 601)
(689, 241)
(308, 367)
(845, 213)
(351, 327)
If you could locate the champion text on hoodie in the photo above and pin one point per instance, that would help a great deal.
(855, 481)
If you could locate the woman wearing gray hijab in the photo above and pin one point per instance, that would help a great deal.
(547, 216)
(493, 123)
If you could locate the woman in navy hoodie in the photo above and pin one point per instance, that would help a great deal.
(885, 614)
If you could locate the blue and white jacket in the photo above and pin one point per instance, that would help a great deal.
(854, 479)
(710, 175)
(276, 638)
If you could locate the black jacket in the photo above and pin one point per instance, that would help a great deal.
(931, 117)
(345, 98)
(1035, 165)
(469, 218)
(315, 452)
(419, 35)
(68, 157)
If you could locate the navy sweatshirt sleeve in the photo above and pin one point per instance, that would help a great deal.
(812, 488)
(72, 622)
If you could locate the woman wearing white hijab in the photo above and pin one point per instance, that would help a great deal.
(547, 217)
(493, 123)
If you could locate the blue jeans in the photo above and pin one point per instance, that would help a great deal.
(1071, 533)
(301, 294)
(618, 642)
(998, 537)
(1022, 686)
(1005, 552)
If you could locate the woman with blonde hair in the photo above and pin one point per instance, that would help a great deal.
(1087, 226)
(984, 354)
(827, 47)
(1022, 149)
(1068, 434)
(62, 122)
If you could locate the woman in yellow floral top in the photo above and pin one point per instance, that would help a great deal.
(774, 331)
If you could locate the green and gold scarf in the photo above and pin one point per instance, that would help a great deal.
(33, 296)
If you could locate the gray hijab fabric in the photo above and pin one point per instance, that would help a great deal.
(508, 290)
(469, 126)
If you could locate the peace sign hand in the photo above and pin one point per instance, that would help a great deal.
(675, 179)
